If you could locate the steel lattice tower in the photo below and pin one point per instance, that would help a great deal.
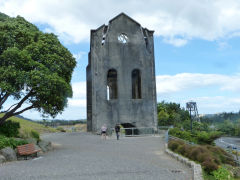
(193, 111)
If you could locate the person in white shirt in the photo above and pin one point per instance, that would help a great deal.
(104, 131)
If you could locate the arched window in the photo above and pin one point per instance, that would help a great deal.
(112, 89)
(136, 84)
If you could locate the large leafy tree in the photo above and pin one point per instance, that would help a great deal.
(35, 69)
(171, 114)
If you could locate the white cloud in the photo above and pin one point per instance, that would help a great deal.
(186, 81)
(178, 42)
(79, 89)
(181, 88)
(77, 102)
(79, 95)
(218, 104)
(223, 45)
(176, 21)
(79, 55)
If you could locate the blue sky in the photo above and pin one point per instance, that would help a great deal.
(197, 54)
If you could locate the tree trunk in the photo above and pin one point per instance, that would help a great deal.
(5, 117)
(13, 111)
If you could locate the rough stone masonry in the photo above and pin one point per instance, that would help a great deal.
(121, 85)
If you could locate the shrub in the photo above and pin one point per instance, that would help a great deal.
(196, 151)
(210, 157)
(203, 137)
(221, 155)
(222, 174)
(61, 129)
(173, 145)
(198, 137)
(182, 149)
(186, 135)
(209, 166)
(10, 142)
(203, 157)
(10, 128)
(35, 135)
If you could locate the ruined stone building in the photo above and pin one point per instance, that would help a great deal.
(121, 85)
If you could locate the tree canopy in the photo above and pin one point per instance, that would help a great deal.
(171, 114)
(35, 69)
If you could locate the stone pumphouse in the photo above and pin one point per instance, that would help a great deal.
(121, 85)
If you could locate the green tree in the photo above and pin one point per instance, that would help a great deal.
(163, 118)
(227, 127)
(35, 69)
(171, 114)
(237, 128)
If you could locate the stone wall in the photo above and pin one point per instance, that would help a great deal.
(196, 168)
(107, 52)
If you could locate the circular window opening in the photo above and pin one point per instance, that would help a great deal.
(122, 38)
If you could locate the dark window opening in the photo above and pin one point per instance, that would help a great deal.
(145, 37)
(146, 41)
(136, 84)
(112, 92)
(104, 34)
(103, 39)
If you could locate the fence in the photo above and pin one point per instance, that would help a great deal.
(141, 131)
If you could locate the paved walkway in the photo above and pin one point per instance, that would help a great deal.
(85, 156)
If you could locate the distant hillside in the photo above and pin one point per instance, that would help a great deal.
(22, 117)
(221, 117)
(57, 122)
(27, 126)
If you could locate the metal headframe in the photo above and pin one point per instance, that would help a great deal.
(193, 111)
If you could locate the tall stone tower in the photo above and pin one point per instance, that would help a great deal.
(121, 86)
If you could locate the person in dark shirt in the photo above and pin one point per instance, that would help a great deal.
(117, 130)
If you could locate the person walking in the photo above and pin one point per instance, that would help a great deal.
(117, 130)
(104, 131)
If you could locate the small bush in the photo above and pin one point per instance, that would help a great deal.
(35, 135)
(198, 137)
(173, 145)
(10, 142)
(222, 174)
(221, 155)
(10, 128)
(196, 151)
(203, 157)
(207, 137)
(61, 129)
(209, 166)
(186, 135)
(182, 149)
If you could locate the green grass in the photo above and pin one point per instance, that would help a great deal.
(27, 126)
(207, 176)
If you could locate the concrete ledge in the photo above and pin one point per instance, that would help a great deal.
(196, 168)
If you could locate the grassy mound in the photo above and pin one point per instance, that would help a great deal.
(28, 127)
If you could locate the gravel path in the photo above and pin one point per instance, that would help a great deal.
(86, 156)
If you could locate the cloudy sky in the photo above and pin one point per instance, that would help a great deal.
(197, 45)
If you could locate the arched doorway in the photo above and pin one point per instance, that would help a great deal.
(131, 131)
